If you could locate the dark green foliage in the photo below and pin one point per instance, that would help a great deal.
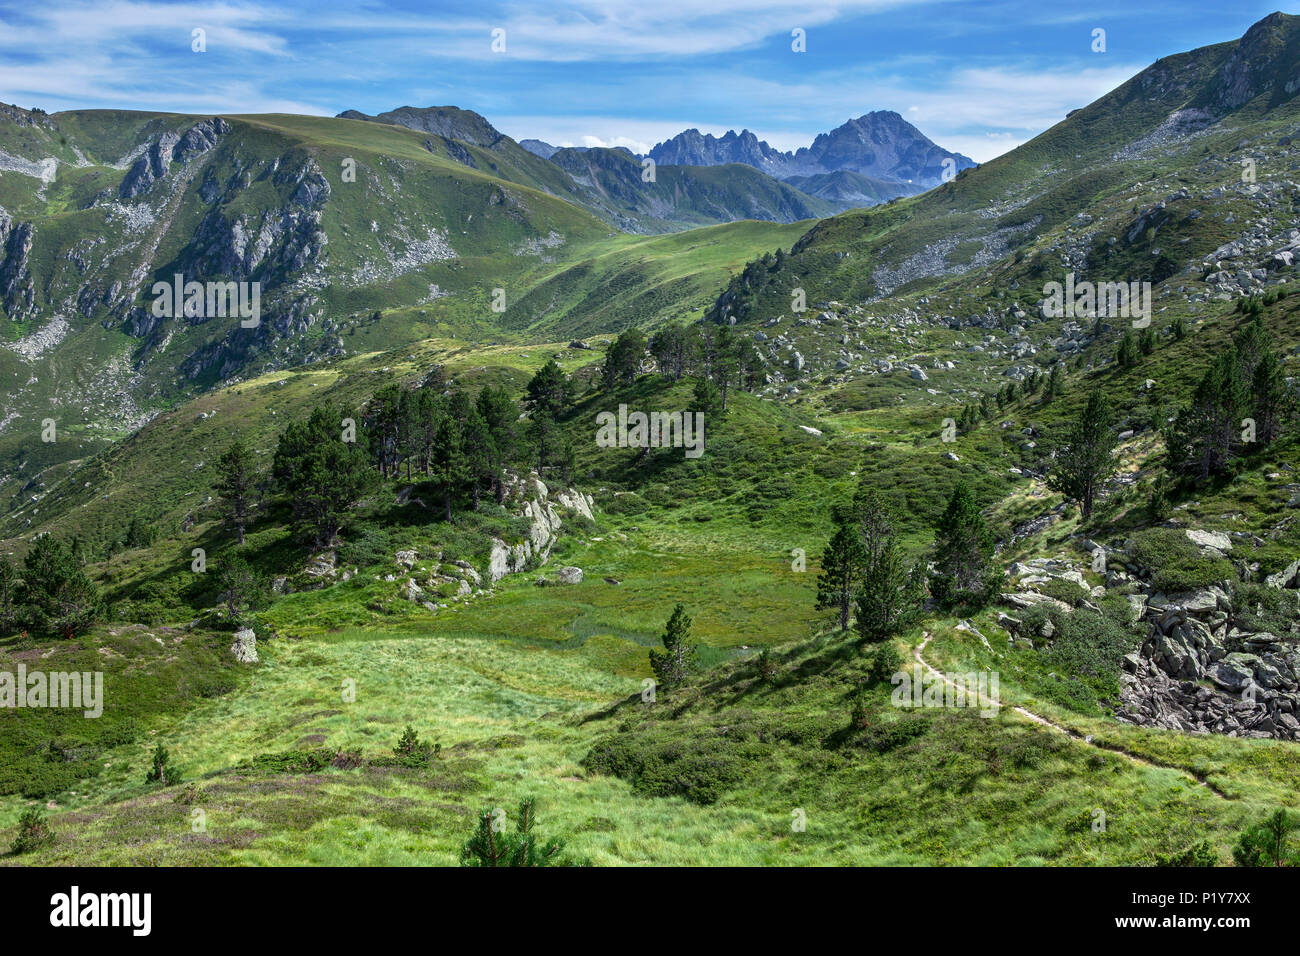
(235, 486)
(1128, 354)
(678, 658)
(33, 831)
(163, 770)
(59, 599)
(842, 565)
(623, 360)
(240, 588)
(550, 391)
(1242, 401)
(1173, 563)
(139, 533)
(766, 666)
(1088, 648)
(10, 595)
(886, 663)
(524, 847)
(1269, 843)
(1198, 854)
(964, 572)
(414, 752)
(322, 475)
(1083, 462)
(663, 763)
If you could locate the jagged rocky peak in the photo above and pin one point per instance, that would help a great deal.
(171, 147)
(881, 145)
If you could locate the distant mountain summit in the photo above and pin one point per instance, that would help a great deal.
(448, 121)
(880, 145)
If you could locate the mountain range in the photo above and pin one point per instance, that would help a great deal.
(1147, 648)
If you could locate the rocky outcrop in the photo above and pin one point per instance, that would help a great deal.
(1203, 670)
(245, 646)
(544, 516)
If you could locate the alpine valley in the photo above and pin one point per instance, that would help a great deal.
(362, 564)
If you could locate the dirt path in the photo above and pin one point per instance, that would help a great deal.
(1073, 735)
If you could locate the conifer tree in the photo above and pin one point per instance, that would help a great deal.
(678, 658)
(59, 597)
(236, 481)
(963, 553)
(842, 565)
(1084, 461)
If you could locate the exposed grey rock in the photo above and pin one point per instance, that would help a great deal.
(245, 646)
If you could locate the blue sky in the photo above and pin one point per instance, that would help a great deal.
(977, 76)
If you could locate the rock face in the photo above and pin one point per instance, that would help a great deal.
(1202, 670)
(245, 646)
(545, 520)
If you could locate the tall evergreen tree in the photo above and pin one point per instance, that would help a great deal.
(623, 360)
(59, 597)
(235, 485)
(890, 592)
(500, 416)
(550, 391)
(1084, 461)
(842, 565)
(963, 553)
(321, 475)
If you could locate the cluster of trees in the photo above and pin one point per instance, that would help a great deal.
(864, 569)
(715, 354)
(460, 447)
(1045, 384)
(51, 595)
(1241, 404)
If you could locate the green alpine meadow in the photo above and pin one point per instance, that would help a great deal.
(382, 489)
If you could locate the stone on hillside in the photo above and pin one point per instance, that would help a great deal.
(1215, 540)
(568, 575)
(245, 646)
(406, 558)
(1286, 577)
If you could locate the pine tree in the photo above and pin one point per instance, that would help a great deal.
(487, 847)
(623, 360)
(59, 597)
(1205, 434)
(963, 553)
(678, 658)
(1269, 842)
(1084, 462)
(842, 565)
(451, 468)
(500, 415)
(1127, 354)
(889, 592)
(322, 475)
(236, 481)
(1271, 396)
(550, 391)
(240, 588)
(10, 596)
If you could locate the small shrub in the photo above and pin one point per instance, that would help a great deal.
(33, 831)
(492, 846)
(163, 770)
